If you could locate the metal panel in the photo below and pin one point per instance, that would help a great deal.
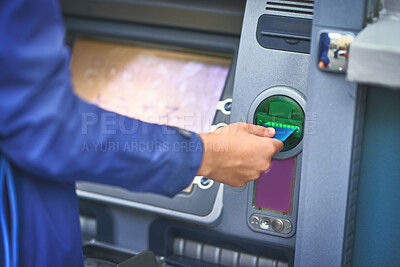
(222, 16)
(341, 14)
(329, 164)
(260, 70)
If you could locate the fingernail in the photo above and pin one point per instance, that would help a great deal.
(271, 130)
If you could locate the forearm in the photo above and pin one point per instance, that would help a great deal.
(58, 136)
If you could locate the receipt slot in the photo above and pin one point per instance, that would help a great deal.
(273, 197)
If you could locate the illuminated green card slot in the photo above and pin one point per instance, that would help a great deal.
(284, 112)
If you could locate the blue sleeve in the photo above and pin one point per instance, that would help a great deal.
(48, 131)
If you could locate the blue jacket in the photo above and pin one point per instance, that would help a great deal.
(50, 137)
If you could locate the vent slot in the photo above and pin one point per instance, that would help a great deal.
(218, 256)
(291, 8)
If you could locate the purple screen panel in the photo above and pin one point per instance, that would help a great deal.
(274, 188)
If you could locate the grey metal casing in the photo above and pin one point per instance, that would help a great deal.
(328, 189)
(259, 70)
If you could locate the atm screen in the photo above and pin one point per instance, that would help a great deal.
(154, 85)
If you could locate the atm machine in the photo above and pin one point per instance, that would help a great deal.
(252, 61)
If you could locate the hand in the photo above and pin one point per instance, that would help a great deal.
(238, 153)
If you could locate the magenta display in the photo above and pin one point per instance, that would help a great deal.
(274, 188)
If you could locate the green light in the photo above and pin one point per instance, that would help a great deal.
(281, 125)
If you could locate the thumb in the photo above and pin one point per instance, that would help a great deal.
(278, 145)
(261, 130)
